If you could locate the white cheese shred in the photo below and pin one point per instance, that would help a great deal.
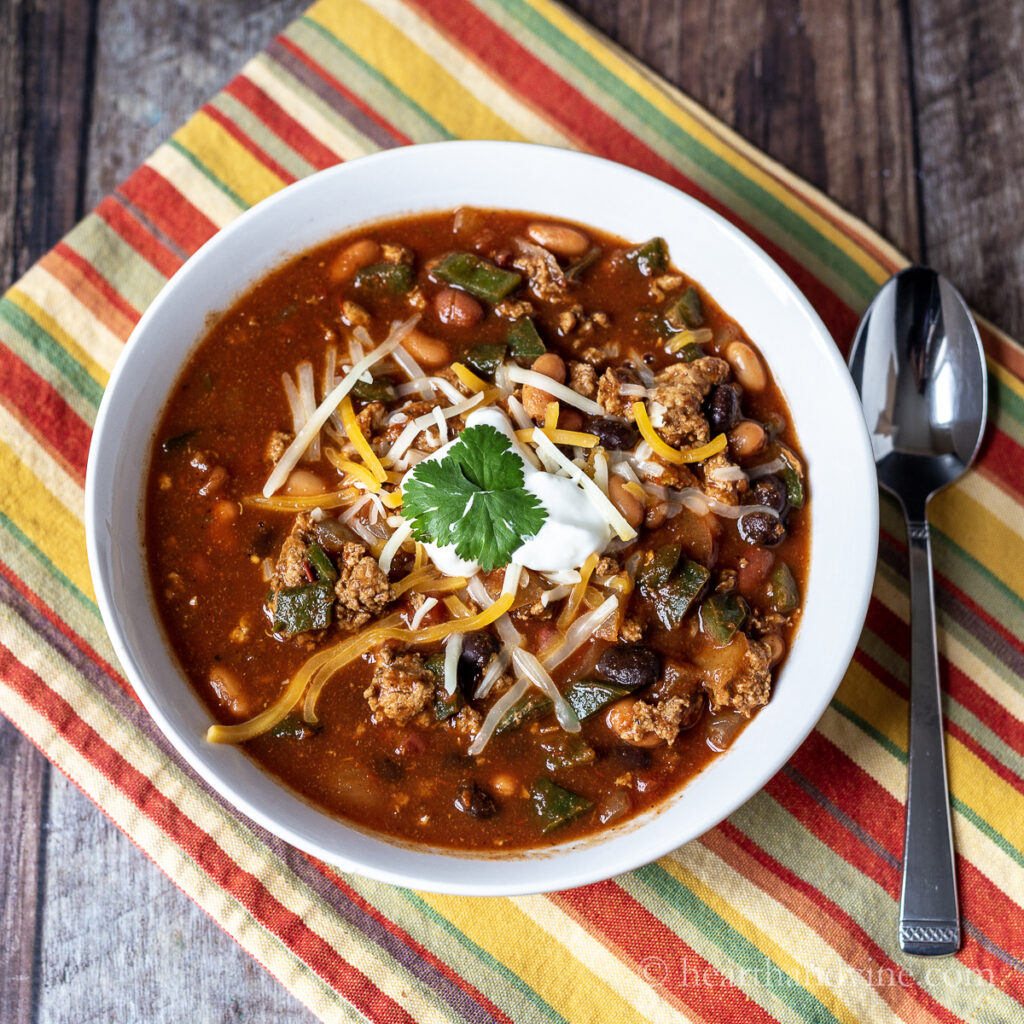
(556, 390)
(581, 631)
(422, 612)
(596, 495)
(452, 652)
(495, 715)
(530, 668)
(302, 440)
(396, 540)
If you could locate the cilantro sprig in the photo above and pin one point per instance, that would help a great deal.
(473, 498)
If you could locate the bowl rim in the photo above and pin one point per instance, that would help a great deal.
(102, 469)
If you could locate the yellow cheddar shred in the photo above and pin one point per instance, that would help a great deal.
(303, 502)
(665, 450)
(468, 378)
(358, 439)
(352, 469)
(575, 598)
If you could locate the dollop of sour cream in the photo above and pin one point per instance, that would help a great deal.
(573, 530)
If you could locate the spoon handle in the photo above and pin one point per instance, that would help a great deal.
(929, 916)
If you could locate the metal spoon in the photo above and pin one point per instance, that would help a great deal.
(918, 364)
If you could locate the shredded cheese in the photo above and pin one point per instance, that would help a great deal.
(596, 495)
(352, 469)
(665, 450)
(323, 413)
(572, 605)
(415, 427)
(395, 541)
(452, 651)
(264, 721)
(303, 502)
(429, 604)
(358, 439)
(468, 378)
(566, 437)
(556, 390)
(457, 607)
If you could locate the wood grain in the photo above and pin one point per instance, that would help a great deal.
(910, 115)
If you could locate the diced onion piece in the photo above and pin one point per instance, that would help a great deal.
(692, 498)
(556, 390)
(555, 594)
(735, 511)
(353, 469)
(766, 469)
(580, 632)
(452, 652)
(571, 606)
(264, 721)
(596, 495)
(495, 715)
(302, 439)
(397, 539)
(528, 666)
(468, 378)
(358, 439)
(633, 390)
(303, 502)
(429, 604)
(497, 666)
(726, 473)
(665, 450)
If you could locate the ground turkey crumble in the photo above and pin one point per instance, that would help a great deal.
(401, 686)
(749, 688)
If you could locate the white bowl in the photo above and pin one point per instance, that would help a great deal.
(742, 279)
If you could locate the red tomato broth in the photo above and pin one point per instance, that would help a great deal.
(207, 551)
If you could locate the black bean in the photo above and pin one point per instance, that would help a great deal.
(474, 800)
(761, 528)
(615, 435)
(723, 409)
(630, 665)
(770, 491)
(629, 758)
(477, 651)
(388, 769)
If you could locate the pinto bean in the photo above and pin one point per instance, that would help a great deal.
(302, 482)
(560, 239)
(746, 365)
(431, 353)
(570, 419)
(629, 505)
(351, 259)
(551, 365)
(504, 784)
(619, 718)
(229, 690)
(457, 309)
(746, 438)
(535, 401)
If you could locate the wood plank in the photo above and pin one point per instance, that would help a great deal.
(969, 83)
(819, 87)
(24, 787)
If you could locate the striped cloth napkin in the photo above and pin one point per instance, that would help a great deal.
(787, 911)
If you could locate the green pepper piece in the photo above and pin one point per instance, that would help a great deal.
(300, 609)
(385, 279)
(526, 709)
(689, 352)
(435, 665)
(293, 727)
(792, 479)
(524, 343)
(554, 806)
(176, 443)
(589, 696)
(446, 706)
(721, 615)
(484, 360)
(686, 311)
(651, 257)
(477, 276)
(574, 272)
(654, 574)
(783, 594)
(567, 752)
(321, 562)
(674, 599)
(375, 391)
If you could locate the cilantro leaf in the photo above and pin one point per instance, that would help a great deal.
(473, 498)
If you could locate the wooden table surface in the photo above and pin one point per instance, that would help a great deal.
(910, 115)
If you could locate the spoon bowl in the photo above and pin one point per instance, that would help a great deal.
(919, 366)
